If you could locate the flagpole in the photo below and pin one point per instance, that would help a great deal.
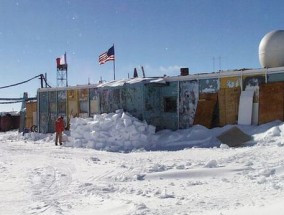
(113, 64)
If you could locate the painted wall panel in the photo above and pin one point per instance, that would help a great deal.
(275, 77)
(253, 81)
(208, 85)
(230, 82)
(188, 98)
(73, 103)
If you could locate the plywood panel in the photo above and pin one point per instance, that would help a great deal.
(30, 108)
(228, 100)
(271, 102)
(205, 109)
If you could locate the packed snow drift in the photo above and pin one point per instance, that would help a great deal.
(122, 132)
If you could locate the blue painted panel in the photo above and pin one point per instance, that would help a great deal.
(275, 77)
(188, 99)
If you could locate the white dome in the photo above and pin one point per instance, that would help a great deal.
(271, 49)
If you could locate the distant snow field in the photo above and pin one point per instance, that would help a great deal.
(114, 164)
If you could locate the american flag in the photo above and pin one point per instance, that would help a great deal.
(109, 55)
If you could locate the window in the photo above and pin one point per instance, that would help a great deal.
(170, 104)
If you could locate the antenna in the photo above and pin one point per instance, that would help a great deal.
(143, 72)
(213, 59)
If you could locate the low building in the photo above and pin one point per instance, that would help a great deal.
(209, 99)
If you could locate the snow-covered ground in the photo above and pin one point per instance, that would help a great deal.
(113, 165)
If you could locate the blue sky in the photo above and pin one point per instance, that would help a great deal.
(161, 35)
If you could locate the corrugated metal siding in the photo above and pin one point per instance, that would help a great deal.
(188, 98)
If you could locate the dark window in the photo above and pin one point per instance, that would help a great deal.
(170, 104)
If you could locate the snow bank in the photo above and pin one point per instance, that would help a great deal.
(120, 131)
(117, 131)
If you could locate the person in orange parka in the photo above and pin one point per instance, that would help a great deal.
(59, 128)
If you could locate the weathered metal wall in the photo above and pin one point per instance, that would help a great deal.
(188, 98)
(169, 103)
(110, 99)
(132, 99)
(152, 105)
(61, 103)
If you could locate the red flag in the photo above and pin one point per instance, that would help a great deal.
(61, 62)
